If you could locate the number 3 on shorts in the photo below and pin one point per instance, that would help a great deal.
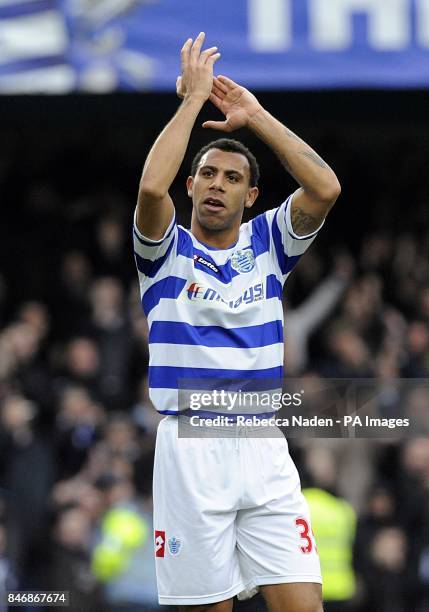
(304, 532)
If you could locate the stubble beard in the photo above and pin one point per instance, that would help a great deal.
(211, 223)
(215, 225)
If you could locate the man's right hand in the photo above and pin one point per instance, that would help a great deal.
(197, 69)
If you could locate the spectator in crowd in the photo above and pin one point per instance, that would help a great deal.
(111, 256)
(110, 328)
(21, 446)
(80, 366)
(384, 574)
(334, 524)
(309, 315)
(417, 361)
(68, 564)
(123, 555)
(78, 426)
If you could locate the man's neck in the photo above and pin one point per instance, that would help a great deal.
(223, 239)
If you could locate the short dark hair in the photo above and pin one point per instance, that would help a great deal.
(230, 146)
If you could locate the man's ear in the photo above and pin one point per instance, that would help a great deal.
(252, 194)
(189, 185)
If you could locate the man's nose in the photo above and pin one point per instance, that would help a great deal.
(217, 183)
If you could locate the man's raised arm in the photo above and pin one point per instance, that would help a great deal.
(155, 208)
(319, 186)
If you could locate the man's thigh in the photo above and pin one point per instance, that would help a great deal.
(255, 604)
(221, 606)
(195, 494)
(293, 597)
(274, 536)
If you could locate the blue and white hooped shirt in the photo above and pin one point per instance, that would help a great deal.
(216, 313)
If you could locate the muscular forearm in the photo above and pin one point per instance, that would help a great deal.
(155, 208)
(168, 151)
(305, 165)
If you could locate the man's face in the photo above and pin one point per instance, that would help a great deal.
(220, 190)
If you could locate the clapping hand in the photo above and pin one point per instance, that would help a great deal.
(197, 69)
(235, 102)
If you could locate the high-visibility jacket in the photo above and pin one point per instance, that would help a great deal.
(123, 530)
(334, 525)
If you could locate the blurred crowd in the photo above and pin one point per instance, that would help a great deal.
(77, 428)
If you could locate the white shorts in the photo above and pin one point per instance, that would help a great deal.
(229, 516)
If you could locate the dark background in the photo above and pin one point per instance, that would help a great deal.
(66, 163)
(376, 141)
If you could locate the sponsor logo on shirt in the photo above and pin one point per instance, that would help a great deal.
(243, 260)
(197, 291)
(204, 262)
(159, 543)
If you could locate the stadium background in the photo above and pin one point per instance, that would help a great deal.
(77, 429)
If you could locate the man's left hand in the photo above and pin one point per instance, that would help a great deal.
(235, 102)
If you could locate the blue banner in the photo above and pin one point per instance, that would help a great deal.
(104, 45)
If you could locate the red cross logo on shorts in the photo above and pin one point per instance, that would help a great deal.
(159, 543)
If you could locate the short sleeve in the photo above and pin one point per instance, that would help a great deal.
(152, 256)
(288, 246)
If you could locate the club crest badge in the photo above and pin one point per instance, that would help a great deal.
(174, 546)
(243, 260)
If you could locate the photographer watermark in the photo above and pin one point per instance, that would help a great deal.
(232, 400)
(304, 407)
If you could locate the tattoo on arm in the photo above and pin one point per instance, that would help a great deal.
(315, 158)
(309, 154)
(291, 134)
(302, 222)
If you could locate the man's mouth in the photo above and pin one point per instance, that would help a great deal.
(213, 204)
